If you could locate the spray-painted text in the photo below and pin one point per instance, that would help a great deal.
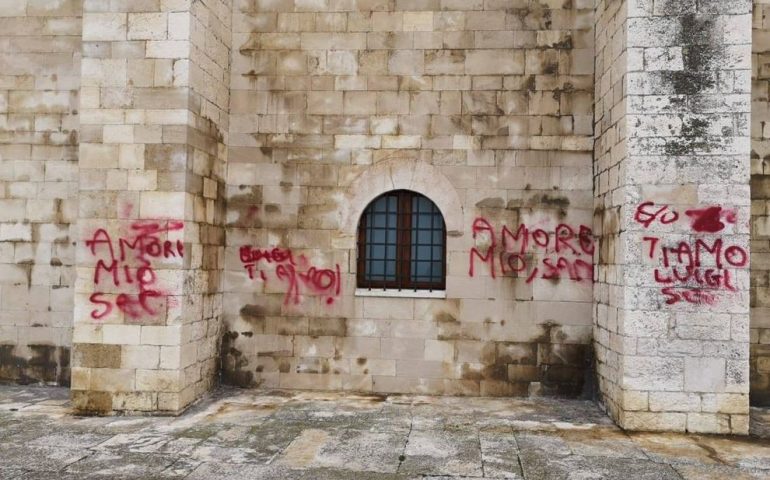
(696, 269)
(565, 252)
(299, 276)
(127, 264)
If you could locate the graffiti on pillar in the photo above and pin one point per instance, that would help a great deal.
(532, 252)
(297, 274)
(126, 265)
(694, 270)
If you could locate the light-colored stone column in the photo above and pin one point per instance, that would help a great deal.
(672, 211)
(147, 302)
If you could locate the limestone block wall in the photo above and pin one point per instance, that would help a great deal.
(39, 84)
(610, 153)
(150, 218)
(485, 107)
(210, 43)
(760, 194)
(678, 338)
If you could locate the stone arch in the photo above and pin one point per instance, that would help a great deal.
(401, 174)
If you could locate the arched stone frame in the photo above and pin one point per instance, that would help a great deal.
(401, 174)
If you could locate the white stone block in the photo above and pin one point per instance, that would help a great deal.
(147, 26)
(704, 374)
(104, 26)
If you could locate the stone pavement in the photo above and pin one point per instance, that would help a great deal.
(252, 434)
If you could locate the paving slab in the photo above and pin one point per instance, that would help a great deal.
(719, 472)
(27, 457)
(601, 443)
(538, 464)
(738, 452)
(122, 465)
(275, 434)
(70, 439)
(44, 475)
(356, 450)
(443, 452)
(673, 448)
(499, 454)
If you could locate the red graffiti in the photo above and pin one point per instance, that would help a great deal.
(515, 254)
(709, 220)
(703, 220)
(318, 281)
(276, 255)
(647, 214)
(481, 226)
(693, 295)
(699, 268)
(695, 270)
(128, 263)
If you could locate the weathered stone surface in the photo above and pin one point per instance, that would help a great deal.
(238, 434)
(186, 131)
(760, 315)
(155, 106)
(459, 102)
(541, 465)
(40, 46)
(652, 335)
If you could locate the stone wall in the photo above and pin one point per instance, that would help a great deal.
(485, 107)
(676, 346)
(147, 302)
(39, 84)
(218, 156)
(760, 194)
(610, 152)
(210, 43)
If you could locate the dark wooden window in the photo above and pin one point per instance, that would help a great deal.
(402, 243)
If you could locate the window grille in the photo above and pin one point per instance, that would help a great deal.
(402, 243)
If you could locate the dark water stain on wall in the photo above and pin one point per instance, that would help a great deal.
(549, 201)
(759, 394)
(247, 203)
(328, 327)
(48, 364)
(233, 363)
(541, 366)
(255, 316)
(545, 365)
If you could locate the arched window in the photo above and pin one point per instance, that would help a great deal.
(402, 243)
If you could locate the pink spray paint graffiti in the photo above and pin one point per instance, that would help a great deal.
(695, 270)
(566, 252)
(128, 264)
(299, 276)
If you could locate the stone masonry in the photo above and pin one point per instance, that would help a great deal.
(609, 152)
(484, 107)
(674, 137)
(181, 184)
(40, 49)
(760, 194)
(152, 160)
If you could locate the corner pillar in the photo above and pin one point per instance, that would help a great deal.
(150, 225)
(672, 212)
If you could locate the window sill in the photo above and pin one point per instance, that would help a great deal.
(396, 293)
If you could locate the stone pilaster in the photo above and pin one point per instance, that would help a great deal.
(609, 155)
(760, 200)
(672, 187)
(147, 290)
